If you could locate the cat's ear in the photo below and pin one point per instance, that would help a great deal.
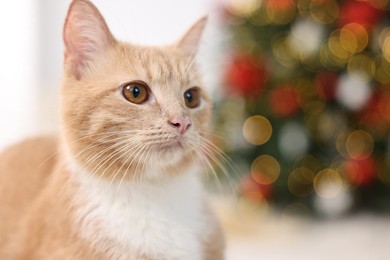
(86, 35)
(189, 43)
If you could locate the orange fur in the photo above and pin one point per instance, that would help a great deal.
(38, 177)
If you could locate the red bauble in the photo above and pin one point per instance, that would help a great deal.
(284, 101)
(360, 12)
(253, 190)
(360, 172)
(325, 84)
(246, 76)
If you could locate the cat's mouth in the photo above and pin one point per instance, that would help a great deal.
(174, 146)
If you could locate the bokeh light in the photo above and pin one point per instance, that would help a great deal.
(324, 11)
(310, 162)
(359, 144)
(361, 171)
(265, 169)
(363, 64)
(384, 42)
(293, 140)
(243, 7)
(306, 37)
(300, 182)
(323, 80)
(328, 183)
(353, 38)
(281, 11)
(353, 91)
(335, 206)
(382, 73)
(257, 130)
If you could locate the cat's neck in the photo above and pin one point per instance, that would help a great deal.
(142, 216)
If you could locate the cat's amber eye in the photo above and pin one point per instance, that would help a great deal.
(192, 97)
(136, 92)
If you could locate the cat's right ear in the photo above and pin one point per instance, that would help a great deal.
(86, 35)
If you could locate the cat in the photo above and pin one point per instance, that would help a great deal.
(120, 181)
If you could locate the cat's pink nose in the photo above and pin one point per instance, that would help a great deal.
(181, 123)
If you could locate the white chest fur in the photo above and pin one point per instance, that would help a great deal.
(162, 219)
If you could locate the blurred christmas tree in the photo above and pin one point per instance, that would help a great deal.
(307, 102)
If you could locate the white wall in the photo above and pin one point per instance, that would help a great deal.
(18, 71)
(31, 51)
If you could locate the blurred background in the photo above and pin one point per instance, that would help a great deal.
(301, 104)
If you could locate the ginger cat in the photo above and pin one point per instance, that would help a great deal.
(121, 180)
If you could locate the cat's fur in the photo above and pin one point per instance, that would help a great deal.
(120, 181)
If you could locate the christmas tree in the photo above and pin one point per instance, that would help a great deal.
(306, 108)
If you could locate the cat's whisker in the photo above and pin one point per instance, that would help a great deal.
(118, 155)
(214, 135)
(134, 152)
(100, 153)
(210, 152)
(87, 136)
(135, 155)
(122, 146)
(115, 153)
(217, 160)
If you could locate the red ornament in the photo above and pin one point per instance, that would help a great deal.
(325, 84)
(284, 101)
(246, 76)
(253, 190)
(360, 172)
(360, 12)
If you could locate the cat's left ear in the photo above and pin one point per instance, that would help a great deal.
(86, 36)
(189, 43)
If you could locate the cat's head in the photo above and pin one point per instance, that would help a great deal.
(127, 108)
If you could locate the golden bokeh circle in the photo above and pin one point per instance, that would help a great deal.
(353, 37)
(300, 182)
(328, 183)
(324, 11)
(243, 8)
(265, 169)
(384, 42)
(359, 144)
(257, 130)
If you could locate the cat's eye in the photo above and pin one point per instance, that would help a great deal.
(192, 97)
(136, 92)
